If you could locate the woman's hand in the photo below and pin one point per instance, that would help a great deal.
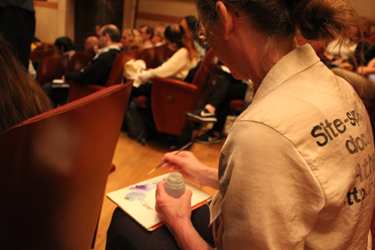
(173, 212)
(190, 167)
(176, 213)
(144, 76)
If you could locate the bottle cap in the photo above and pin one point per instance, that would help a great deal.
(175, 179)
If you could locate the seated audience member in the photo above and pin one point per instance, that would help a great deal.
(131, 39)
(217, 107)
(367, 70)
(287, 179)
(368, 66)
(91, 45)
(97, 30)
(369, 54)
(65, 46)
(146, 33)
(36, 43)
(349, 54)
(195, 26)
(98, 69)
(158, 38)
(21, 98)
(178, 66)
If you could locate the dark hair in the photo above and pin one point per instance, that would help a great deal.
(21, 98)
(174, 33)
(149, 30)
(193, 24)
(182, 38)
(64, 42)
(113, 32)
(315, 19)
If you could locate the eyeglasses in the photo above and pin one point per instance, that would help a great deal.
(202, 34)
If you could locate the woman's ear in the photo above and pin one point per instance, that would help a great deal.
(227, 18)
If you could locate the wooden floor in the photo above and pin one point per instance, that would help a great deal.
(133, 161)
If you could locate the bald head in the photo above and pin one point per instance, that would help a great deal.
(109, 35)
(91, 42)
(112, 31)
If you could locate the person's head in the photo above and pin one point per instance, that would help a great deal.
(146, 32)
(176, 36)
(193, 24)
(269, 26)
(21, 98)
(109, 35)
(64, 44)
(97, 29)
(91, 42)
(131, 39)
(158, 37)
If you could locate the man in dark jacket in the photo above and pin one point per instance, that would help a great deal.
(97, 71)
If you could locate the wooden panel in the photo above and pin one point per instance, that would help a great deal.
(45, 4)
(158, 17)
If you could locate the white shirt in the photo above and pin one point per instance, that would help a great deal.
(177, 66)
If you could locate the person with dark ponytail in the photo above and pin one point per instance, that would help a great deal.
(180, 40)
(21, 97)
(296, 170)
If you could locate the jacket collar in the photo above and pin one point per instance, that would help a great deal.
(291, 64)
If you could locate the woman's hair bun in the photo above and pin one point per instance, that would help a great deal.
(322, 19)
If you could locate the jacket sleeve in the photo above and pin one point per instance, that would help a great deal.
(171, 67)
(96, 72)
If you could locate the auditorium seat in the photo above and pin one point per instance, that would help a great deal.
(54, 169)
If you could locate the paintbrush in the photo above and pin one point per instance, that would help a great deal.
(158, 166)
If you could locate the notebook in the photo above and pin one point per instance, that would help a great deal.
(138, 201)
(59, 83)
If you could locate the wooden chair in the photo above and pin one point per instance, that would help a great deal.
(36, 54)
(50, 68)
(49, 51)
(148, 55)
(171, 98)
(77, 90)
(54, 172)
(78, 61)
(116, 75)
(40, 52)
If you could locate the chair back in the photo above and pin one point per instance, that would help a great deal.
(171, 98)
(36, 54)
(204, 76)
(116, 74)
(50, 68)
(148, 55)
(78, 61)
(162, 53)
(49, 50)
(54, 172)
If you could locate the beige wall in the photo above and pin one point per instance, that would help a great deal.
(364, 8)
(55, 18)
(164, 12)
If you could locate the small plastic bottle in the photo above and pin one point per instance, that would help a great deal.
(175, 185)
